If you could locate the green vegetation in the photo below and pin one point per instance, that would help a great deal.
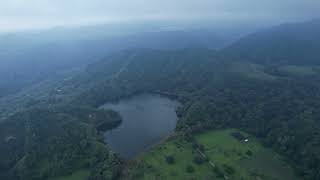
(244, 159)
(262, 84)
(251, 71)
(225, 157)
(298, 70)
(287, 44)
(153, 164)
(43, 144)
(281, 111)
(78, 175)
(170, 159)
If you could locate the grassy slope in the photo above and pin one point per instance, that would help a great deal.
(78, 175)
(221, 147)
(223, 150)
(299, 70)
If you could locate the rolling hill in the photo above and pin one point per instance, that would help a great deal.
(287, 44)
(265, 84)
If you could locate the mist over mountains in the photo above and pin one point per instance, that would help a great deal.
(265, 82)
(28, 58)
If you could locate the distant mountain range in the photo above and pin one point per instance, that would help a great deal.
(295, 44)
(27, 58)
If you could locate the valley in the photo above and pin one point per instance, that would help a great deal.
(249, 110)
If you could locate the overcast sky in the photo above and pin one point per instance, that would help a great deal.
(25, 14)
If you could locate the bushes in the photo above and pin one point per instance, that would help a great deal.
(249, 153)
(190, 169)
(218, 172)
(170, 159)
(198, 159)
(228, 169)
(196, 146)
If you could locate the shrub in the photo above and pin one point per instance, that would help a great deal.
(218, 172)
(170, 159)
(199, 159)
(230, 170)
(201, 147)
(190, 169)
(249, 153)
(194, 145)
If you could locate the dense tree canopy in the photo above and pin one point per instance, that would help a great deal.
(274, 95)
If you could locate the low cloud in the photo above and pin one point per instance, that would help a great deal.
(22, 14)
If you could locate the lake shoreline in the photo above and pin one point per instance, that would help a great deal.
(163, 140)
(148, 120)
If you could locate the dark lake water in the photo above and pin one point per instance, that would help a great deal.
(146, 119)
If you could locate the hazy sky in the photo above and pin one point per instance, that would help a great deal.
(23, 14)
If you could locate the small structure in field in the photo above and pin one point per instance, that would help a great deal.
(240, 137)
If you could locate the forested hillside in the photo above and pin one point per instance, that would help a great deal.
(295, 44)
(267, 84)
(46, 143)
(276, 103)
(29, 58)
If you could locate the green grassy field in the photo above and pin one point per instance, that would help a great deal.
(298, 70)
(251, 71)
(78, 175)
(227, 158)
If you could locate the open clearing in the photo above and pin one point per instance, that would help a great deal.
(78, 175)
(229, 154)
